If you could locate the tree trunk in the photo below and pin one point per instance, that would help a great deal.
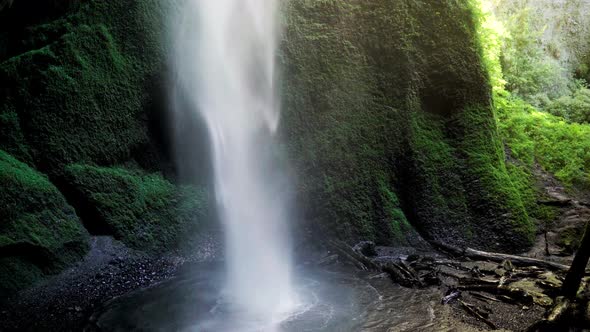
(577, 270)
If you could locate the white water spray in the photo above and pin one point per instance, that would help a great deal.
(225, 64)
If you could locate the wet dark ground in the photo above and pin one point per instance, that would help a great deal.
(115, 285)
(64, 302)
(335, 299)
(332, 298)
(118, 289)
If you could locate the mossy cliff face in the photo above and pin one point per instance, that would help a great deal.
(39, 232)
(79, 90)
(143, 210)
(80, 96)
(389, 119)
(386, 114)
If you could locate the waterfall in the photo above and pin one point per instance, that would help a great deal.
(224, 60)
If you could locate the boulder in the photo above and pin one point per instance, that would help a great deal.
(40, 233)
(143, 210)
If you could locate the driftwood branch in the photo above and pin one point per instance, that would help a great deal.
(509, 294)
(475, 312)
(483, 297)
(497, 257)
(358, 260)
(402, 274)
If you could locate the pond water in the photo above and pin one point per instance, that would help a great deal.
(337, 299)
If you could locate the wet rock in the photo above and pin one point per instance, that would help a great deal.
(328, 260)
(451, 295)
(366, 248)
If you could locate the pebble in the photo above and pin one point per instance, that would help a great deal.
(74, 296)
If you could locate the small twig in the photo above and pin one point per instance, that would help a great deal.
(474, 311)
(502, 292)
(547, 253)
(484, 297)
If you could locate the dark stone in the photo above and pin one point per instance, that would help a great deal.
(366, 248)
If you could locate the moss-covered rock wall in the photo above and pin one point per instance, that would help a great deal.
(40, 232)
(145, 211)
(79, 90)
(389, 119)
(81, 95)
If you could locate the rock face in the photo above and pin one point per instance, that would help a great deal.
(39, 232)
(145, 211)
(387, 117)
(389, 123)
(80, 88)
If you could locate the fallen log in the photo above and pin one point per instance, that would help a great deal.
(475, 312)
(555, 202)
(513, 293)
(497, 257)
(348, 253)
(484, 297)
(401, 275)
(553, 318)
(479, 281)
(559, 309)
(347, 257)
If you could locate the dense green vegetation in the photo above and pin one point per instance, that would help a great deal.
(542, 110)
(574, 107)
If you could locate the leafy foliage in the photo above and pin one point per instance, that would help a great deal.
(560, 147)
(574, 107)
(522, 83)
(529, 71)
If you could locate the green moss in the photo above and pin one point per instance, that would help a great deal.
(82, 86)
(397, 89)
(497, 190)
(569, 239)
(560, 147)
(41, 233)
(399, 227)
(143, 210)
(386, 110)
(12, 136)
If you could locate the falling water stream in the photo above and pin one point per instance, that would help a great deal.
(225, 62)
(225, 73)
